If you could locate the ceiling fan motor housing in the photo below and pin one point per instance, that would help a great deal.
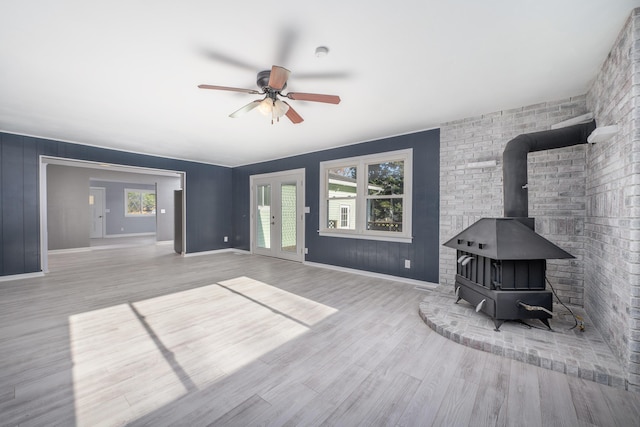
(263, 80)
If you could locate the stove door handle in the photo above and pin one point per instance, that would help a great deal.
(464, 259)
(480, 304)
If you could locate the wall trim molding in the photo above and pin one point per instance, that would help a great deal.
(217, 251)
(113, 236)
(69, 251)
(419, 283)
(21, 276)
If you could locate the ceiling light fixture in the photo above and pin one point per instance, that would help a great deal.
(273, 107)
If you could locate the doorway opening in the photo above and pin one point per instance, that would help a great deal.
(84, 205)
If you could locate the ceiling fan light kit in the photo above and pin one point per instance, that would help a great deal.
(272, 82)
(274, 108)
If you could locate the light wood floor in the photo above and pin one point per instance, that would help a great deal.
(141, 336)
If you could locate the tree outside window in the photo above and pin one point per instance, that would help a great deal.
(385, 190)
(139, 202)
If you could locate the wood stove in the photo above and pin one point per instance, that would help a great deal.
(501, 262)
(501, 266)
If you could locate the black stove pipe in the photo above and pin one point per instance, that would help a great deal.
(514, 162)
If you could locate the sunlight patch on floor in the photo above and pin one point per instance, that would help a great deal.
(136, 357)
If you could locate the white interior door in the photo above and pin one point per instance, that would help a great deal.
(96, 206)
(277, 219)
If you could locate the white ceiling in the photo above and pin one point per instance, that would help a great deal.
(123, 74)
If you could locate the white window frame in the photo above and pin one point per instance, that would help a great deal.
(141, 191)
(360, 231)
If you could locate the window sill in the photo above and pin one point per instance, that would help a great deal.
(399, 239)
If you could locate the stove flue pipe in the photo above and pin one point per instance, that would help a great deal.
(514, 161)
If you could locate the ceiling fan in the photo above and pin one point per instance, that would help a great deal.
(272, 83)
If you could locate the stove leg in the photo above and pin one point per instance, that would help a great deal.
(498, 323)
(546, 323)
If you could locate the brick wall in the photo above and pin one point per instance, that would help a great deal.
(471, 188)
(586, 198)
(612, 225)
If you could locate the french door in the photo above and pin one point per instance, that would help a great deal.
(277, 214)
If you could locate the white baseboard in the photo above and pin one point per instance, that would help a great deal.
(68, 251)
(98, 248)
(21, 276)
(420, 283)
(217, 251)
(114, 236)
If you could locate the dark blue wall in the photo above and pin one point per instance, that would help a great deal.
(211, 215)
(370, 255)
(207, 189)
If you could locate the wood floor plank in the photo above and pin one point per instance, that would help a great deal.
(556, 405)
(142, 336)
(490, 407)
(589, 402)
(286, 400)
(523, 401)
(624, 407)
(471, 366)
(456, 408)
(245, 413)
(373, 401)
(330, 368)
(430, 395)
(408, 355)
(316, 412)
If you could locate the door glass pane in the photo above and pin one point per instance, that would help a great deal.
(288, 218)
(263, 216)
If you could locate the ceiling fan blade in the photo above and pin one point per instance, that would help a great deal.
(331, 75)
(316, 97)
(227, 59)
(231, 89)
(278, 77)
(293, 115)
(250, 106)
(287, 38)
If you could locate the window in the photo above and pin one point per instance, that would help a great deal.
(367, 197)
(139, 202)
